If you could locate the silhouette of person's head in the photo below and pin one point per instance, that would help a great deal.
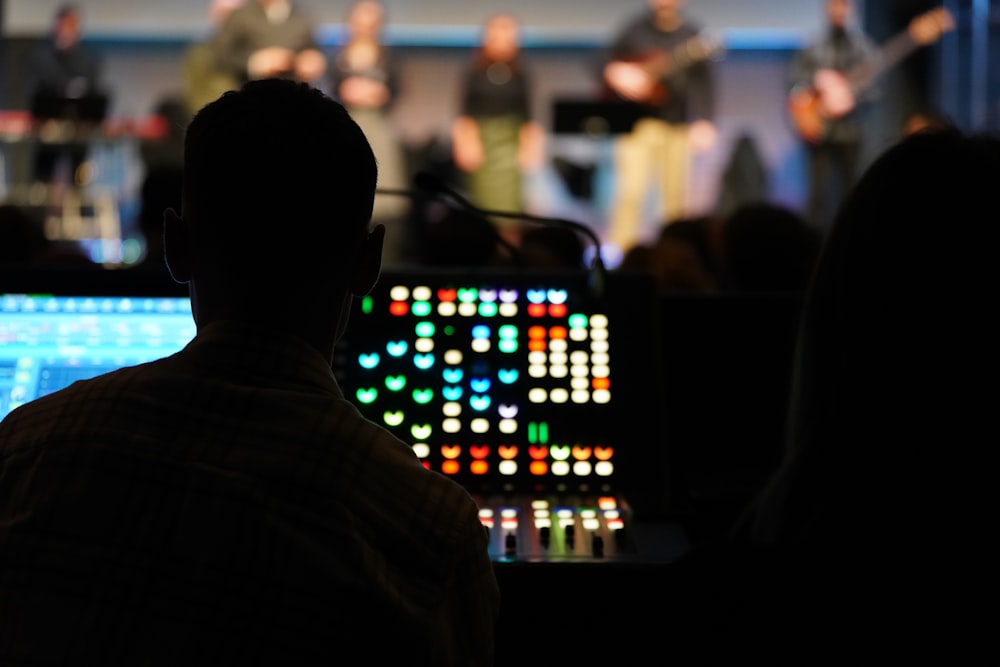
(768, 248)
(888, 416)
(278, 190)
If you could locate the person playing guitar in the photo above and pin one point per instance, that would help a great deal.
(660, 61)
(831, 80)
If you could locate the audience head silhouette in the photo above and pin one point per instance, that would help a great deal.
(888, 415)
(279, 184)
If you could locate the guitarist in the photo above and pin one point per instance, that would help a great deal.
(831, 83)
(643, 66)
(833, 158)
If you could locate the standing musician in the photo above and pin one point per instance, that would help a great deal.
(832, 83)
(660, 61)
(269, 38)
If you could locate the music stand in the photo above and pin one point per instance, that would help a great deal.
(595, 118)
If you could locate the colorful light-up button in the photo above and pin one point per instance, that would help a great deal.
(422, 450)
(538, 468)
(450, 467)
(447, 309)
(557, 310)
(604, 469)
(507, 451)
(582, 468)
(421, 308)
(422, 293)
(580, 396)
(399, 308)
(424, 345)
(536, 310)
(479, 467)
(451, 451)
(447, 295)
(507, 468)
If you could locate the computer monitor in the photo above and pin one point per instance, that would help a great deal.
(61, 326)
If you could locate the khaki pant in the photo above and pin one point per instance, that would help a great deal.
(654, 154)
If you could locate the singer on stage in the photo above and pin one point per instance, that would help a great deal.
(660, 62)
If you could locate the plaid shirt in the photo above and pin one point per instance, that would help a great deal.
(227, 505)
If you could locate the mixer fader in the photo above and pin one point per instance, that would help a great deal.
(538, 528)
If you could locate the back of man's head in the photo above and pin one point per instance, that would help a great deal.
(279, 183)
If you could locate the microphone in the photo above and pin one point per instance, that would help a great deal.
(428, 182)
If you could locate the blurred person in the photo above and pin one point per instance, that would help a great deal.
(365, 80)
(204, 79)
(227, 505)
(269, 38)
(661, 62)
(833, 84)
(61, 74)
(494, 139)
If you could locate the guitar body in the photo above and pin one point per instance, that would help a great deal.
(805, 109)
(658, 64)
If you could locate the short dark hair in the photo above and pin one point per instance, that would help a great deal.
(277, 172)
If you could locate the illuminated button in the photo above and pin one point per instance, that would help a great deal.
(488, 295)
(507, 410)
(599, 346)
(536, 296)
(507, 451)
(539, 503)
(424, 345)
(578, 335)
(542, 513)
(480, 331)
(481, 345)
(479, 451)
(536, 333)
(507, 309)
(422, 450)
(604, 454)
(558, 358)
(611, 514)
(399, 293)
(592, 524)
(424, 329)
(538, 395)
(579, 383)
(598, 321)
(507, 426)
(588, 512)
(557, 333)
(604, 468)
(447, 309)
(421, 309)
(601, 382)
(508, 295)
(451, 425)
(564, 513)
(557, 295)
(607, 503)
(615, 524)
(480, 426)
(451, 451)
(559, 395)
(422, 293)
(398, 308)
(488, 309)
(451, 409)
(599, 334)
(468, 294)
(450, 467)
(507, 467)
(578, 321)
(536, 310)
(558, 371)
(508, 345)
(582, 468)
(467, 309)
(557, 310)
(558, 346)
(600, 359)
(579, 371)
(600, 372)
(508, 512)
(453, 357)
(538, 371)
(447, 295)
(536, 345)
(538, 468)
(580, 396)
(485, 513)
(602, 397)
(423, 396)
(479, 467)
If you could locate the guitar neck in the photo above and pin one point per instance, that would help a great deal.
(891, 54)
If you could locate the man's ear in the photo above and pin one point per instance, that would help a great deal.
(369, 263)
(177, 246)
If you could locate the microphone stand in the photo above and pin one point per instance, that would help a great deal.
(598, 273)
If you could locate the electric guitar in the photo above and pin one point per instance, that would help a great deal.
(658, 64)
(811, 107)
